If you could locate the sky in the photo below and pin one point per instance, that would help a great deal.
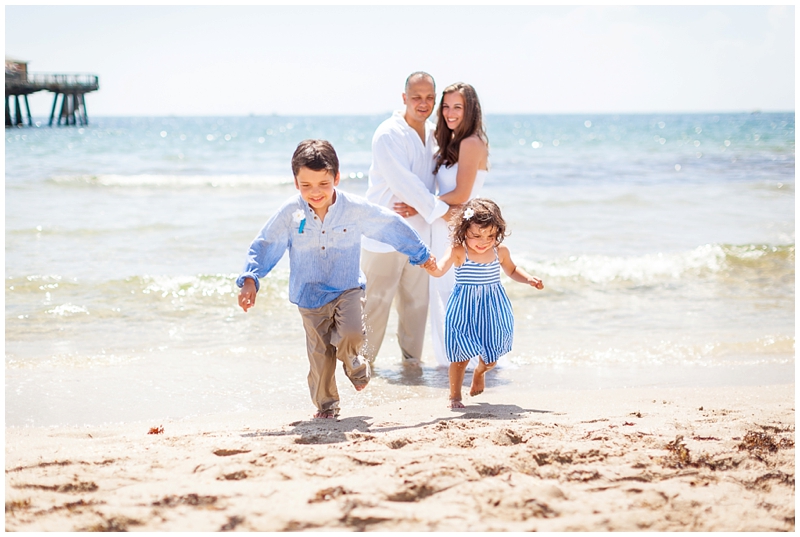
(333, 60)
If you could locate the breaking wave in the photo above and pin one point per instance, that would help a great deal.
(708, 261)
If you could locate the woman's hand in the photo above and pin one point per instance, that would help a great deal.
(404, 210)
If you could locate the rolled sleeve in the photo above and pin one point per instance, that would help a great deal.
(242, 277)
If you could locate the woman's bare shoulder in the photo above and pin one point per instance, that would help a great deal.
(475, 150)
(473, 142)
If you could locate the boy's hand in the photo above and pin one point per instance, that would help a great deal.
(247, 296)
(430, 264)
(536, 282)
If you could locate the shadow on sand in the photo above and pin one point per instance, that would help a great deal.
(331, 431)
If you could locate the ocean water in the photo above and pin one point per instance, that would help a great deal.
(666, 244)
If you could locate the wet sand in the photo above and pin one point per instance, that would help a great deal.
(660, 459)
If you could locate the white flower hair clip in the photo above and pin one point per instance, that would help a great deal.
(469, 213)
(299, 216)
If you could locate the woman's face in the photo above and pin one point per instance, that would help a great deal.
(453, 109)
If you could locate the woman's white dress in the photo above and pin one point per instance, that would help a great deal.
(440, 288)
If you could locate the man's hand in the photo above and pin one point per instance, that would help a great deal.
(404, 210)
(247, 296)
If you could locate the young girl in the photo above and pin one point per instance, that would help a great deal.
(479, 321)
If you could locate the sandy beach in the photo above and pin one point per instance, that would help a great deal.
(698, 459)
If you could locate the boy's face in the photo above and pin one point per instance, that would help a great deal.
(316, 187)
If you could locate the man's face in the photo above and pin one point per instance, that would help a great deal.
(420, 100)
(316, 187)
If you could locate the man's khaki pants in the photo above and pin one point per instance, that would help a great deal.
(335, 331)
(389, 275)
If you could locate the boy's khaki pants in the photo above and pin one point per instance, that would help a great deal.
(335, 331)
(389, 274)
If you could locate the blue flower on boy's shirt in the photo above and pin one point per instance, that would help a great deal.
(300, 216)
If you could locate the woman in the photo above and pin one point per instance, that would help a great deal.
(461, 166)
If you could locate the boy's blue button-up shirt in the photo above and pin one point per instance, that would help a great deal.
(324, 259)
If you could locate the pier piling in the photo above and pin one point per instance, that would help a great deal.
(71, 87)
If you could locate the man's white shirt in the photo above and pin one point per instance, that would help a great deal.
(402, 170)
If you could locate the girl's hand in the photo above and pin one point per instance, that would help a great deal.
(536, 282)
(430, 264)
(404, 210)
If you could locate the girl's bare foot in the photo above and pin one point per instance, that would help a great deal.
(479, 378)
(327, 414)
(456, 376)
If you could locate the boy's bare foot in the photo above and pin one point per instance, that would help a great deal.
(455, 403)
(332, 413)
(360, 372)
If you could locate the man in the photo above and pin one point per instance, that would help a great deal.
(402, 171)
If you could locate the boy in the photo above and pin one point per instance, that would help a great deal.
(322, 228)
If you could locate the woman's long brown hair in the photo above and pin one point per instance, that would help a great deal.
(450, 141)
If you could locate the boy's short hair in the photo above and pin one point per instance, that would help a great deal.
(315, 155)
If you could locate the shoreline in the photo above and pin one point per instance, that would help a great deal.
(143, 392)
(622, 459)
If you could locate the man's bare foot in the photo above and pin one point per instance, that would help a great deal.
(455, 403)
(412, 362)
(327, 414)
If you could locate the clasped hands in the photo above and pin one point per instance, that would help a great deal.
(430, 264)
(405, 210)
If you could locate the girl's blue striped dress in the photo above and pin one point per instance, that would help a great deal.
(479, 319)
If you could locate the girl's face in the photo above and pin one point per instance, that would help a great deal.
(481, 239)
(453, 109)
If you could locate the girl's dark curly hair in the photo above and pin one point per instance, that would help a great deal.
(486, 213)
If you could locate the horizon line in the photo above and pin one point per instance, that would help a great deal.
(367, 114)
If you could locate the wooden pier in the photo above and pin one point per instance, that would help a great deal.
(71, 88)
